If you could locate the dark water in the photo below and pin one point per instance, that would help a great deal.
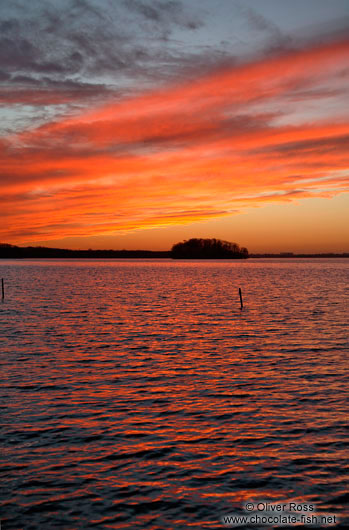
(136, 394)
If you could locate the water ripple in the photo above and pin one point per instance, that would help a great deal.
(136, 394)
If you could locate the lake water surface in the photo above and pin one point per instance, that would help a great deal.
(137, 395)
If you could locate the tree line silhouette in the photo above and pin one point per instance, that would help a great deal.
(8, 251)
(208, 249)
(217, 249)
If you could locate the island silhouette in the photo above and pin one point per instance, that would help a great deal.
(208, 249)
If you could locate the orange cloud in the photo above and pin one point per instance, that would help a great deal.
(189, 152)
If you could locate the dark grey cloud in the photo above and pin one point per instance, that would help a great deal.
(4, 76)
(275, 38)
(37, 93)
(80, 40)
(309, 147)
(163, 14)
(57, 57)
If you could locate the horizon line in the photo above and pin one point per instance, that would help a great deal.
(251, 254)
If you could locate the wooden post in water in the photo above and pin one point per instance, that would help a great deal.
(241, 303)
(2, 288)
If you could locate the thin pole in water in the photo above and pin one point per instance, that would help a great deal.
(2, 288)
(241, 303)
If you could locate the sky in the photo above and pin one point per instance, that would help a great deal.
(135, 124)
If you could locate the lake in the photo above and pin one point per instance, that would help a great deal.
(137, 395)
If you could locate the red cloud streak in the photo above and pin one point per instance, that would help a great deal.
(241, 136)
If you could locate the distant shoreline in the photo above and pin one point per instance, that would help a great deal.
(14, 252)
(287, 255)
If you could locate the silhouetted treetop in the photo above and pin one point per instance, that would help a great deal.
(208, 249)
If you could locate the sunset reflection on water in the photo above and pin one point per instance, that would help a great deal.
(137, 394)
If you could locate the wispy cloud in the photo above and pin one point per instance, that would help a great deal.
(258, 22)
(85, 49)
(186, 152)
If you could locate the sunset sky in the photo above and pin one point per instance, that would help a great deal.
(140, 123)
